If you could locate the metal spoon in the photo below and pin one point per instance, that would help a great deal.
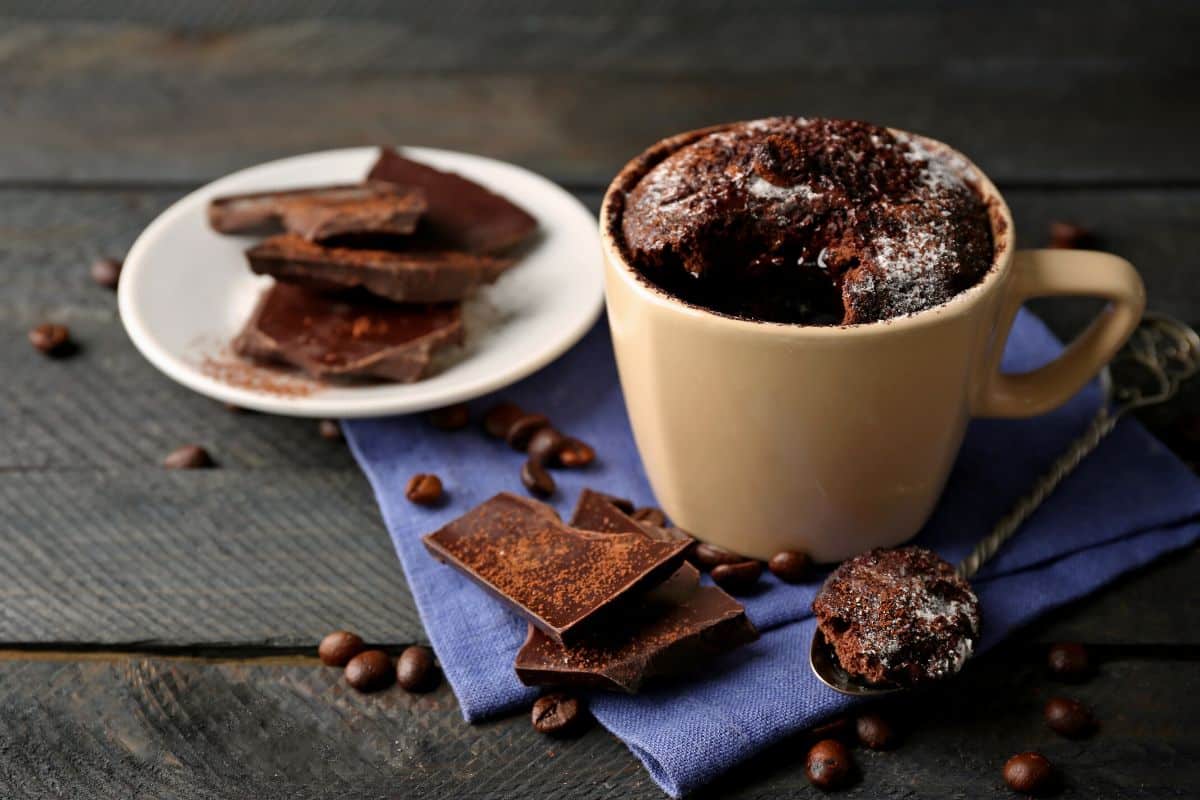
(1160, 355)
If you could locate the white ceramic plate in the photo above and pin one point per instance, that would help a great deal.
(186, 291)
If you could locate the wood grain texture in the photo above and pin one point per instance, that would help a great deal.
(169, 93)
(160, 727)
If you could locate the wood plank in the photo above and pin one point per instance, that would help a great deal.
(188, 729)
(90, 96)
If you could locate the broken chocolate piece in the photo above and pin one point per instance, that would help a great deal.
(406, 276)
(675, 626)
(347, 335)
(460, 214)
(563, 580)
(320, 212)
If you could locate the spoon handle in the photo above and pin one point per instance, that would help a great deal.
(1102, 425)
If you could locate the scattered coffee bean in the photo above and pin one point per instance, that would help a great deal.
(106, 272)
(790, 566)
(1068, 236)
(651, 516)
(51, 339)
(576, 453)
(424, 490)
(558, 714)
(706, 556)
(415, 670)
(1029, 773)
(232, 409)
(1069, 718)
(828, 765)
(370, 670)
(839, 728)
(190, 456)
(737, 578)
(450, 418)
(544, 446)
(330, 429)
(499, 419)
(1185, 434)
(337, 648)
(536, 479)
(521, 431)
(875, 732)
(1068, 661)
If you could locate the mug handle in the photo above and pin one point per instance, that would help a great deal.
(1049, 273)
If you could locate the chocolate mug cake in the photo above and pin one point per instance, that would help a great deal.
(809, 221)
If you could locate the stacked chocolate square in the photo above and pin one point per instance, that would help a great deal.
(370, 277)
(611, 602)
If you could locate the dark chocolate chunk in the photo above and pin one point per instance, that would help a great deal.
(348, 336)
(459, 214)
(405, 276)
(320, 212)
(672, 629)
(561, 579)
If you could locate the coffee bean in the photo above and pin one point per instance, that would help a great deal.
(415, 670)
(1029, 773)
(544, 445)
(190, 456)
(1069, 718)
(706, 556)
(576, 453)
(450, 418)
(1068, 236)
(500, 418)
(839, 728)
(737, 578)
(369, 671)
(51, 339)
(337, 648)
(650, 516)
(536, 479)
(558, 714)
(1068, 661)
(828, 764)
(424, 489)
(875, 732)
(521, 431)
(330, 429)
(106, 272)
(790, 566)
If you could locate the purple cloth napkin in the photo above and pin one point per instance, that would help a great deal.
(1128, 503)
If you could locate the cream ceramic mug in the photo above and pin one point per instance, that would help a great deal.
(761, 437)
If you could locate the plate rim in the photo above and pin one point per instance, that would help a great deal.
(312, 406)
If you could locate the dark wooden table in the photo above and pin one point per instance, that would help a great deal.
(157, 629)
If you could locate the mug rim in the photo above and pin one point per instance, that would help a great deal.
(612, 207)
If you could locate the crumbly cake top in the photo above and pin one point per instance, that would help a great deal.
(898, 616)
(811, 221)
